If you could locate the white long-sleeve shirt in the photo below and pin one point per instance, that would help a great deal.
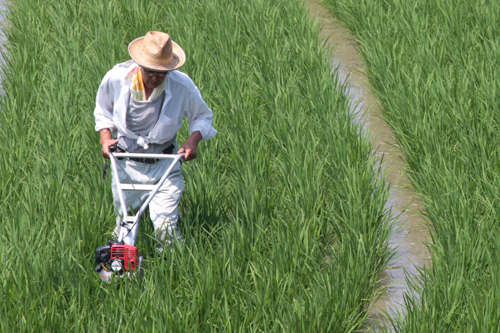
(182, 99)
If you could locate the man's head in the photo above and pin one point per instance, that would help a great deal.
(156, 52)
(152, 79)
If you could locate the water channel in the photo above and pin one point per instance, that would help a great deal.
(3, 12)
(411, 233)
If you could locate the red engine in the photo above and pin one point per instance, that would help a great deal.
(128, 254)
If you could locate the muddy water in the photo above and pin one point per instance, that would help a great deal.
(410, 234)
(3, 13)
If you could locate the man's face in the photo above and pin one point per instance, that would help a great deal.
(152, 79)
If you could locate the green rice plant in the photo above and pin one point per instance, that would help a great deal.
(434, 65)
(284, 212)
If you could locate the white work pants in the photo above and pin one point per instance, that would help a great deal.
(163, 207)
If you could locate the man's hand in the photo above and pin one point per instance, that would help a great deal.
(106, 142)
(189, 147)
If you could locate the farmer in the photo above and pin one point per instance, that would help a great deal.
(139, 108)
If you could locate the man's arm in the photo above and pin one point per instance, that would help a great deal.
(189, 147)
(103, 114)
(106, 141)
(199, 117)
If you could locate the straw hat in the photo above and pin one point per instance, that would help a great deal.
(157, 52)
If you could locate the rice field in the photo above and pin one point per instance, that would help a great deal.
(434, 65)
(283, 211)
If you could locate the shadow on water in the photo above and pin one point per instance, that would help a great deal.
(411, 233)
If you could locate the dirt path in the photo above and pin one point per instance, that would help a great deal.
(411, 233)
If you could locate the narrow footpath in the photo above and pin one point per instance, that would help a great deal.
(410, 234)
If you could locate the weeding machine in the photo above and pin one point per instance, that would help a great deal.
(121, 257)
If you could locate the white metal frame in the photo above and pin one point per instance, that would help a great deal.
(130, 224)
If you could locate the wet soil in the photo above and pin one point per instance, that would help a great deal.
(411, 233)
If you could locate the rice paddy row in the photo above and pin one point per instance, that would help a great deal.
(283, 213)
(435, 66)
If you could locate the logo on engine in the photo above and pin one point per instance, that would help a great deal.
(116, 265)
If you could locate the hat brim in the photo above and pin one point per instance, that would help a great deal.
(135, 51)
